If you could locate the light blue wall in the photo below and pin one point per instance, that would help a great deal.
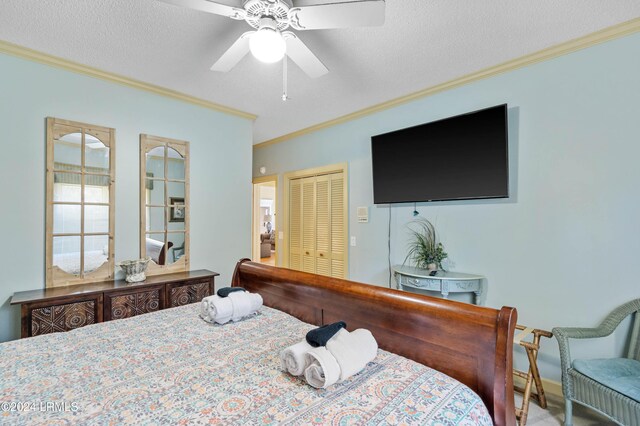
(564, 249)
(220, 153)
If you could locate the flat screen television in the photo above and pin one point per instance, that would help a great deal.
(457, 158)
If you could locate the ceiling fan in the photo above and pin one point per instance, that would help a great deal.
(270, 18)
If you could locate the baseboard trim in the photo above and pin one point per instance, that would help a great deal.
(550, 386)
(607, 34)
(54, 61)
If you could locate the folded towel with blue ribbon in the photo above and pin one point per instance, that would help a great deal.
(235, 307)
(294, 358)
(345, 355)
(330, 354)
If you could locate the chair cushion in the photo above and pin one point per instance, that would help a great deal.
(619, 374)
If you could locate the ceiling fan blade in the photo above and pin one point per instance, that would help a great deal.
(365, 13)
(234, 54)
(211, 7)
(303, 57)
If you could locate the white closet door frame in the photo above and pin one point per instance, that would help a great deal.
(324, 170)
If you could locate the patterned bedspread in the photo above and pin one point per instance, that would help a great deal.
(170, 367)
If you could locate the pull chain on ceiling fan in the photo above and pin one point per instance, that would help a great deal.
(285, 95)
(270, 42)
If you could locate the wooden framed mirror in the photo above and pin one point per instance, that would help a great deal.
(80, 203)
(164, 204)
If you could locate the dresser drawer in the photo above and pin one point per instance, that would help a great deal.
(46, 318)
(129, 303)
(185, 293)
(421, 283)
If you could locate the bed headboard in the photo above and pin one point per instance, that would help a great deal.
(469, 343)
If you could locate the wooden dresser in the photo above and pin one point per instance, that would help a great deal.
(56, 309)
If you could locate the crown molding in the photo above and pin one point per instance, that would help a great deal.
(607, 34)
(43, 58)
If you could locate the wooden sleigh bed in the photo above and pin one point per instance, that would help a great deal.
(469, 343)
(441, 362)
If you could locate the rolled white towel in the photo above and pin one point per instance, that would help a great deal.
(204, 308)
(220, 309)
(244, 304)
(294, 359)
(256, 302)
(241, 305)
(323, 369)
(352, 351)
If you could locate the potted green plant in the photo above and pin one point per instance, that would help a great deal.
(425, 251)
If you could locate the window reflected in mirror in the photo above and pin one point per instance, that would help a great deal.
(80, 202)
(164, 211)
(96, 155)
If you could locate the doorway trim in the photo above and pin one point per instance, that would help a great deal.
(254, 224)
(315, 171)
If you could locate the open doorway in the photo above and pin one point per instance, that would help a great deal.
(264, 235)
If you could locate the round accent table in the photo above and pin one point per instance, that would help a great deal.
(410, 278)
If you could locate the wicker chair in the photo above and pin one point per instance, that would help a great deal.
(610, 386)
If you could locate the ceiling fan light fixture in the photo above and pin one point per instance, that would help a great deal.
(267, 44)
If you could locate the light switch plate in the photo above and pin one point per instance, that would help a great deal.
(363, 214)
(353, 241)
(281, 235)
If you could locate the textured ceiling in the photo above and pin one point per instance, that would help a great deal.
(423, 43)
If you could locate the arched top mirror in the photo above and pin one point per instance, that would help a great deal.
(164, 203)
(80, 203)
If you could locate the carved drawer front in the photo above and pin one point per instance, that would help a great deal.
(433, 285)
(470, 285)
(181, 295)
(53, 319)
(129, 305)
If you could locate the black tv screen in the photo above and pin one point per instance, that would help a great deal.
(458, 158)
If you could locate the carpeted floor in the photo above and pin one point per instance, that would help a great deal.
(554, 414)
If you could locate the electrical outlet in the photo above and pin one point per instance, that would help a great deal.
(353, 241)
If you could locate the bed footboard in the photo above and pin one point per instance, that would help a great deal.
(469, 343)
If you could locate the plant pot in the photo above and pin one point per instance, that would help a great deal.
(432, 267)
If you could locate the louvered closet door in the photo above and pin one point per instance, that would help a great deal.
(323, 226)
(309, 224)
(295, 224)
(317, 241)
(338, 237)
